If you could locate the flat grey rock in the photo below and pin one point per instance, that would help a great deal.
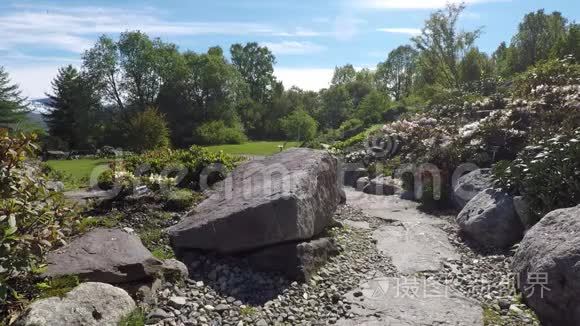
(411, 302)
(104, 255)
(357, 224)
(415, 247)
(89, 304)
(290, 196)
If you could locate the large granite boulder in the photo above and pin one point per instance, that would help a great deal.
(297, 261)
(290, 196)
(382, 185)
(547, 263)
(471, 184)
(89, 304)
(104, 255)
(491, 220)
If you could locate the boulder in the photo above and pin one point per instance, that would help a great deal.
(290, 196)
(491, 220)
(297, 261)
(174, 271)
(383, 186)
(104, 255)
(56, 186)
(471, 184)
(547, 263)
(351, 175)
(361, 183)
(89, 304)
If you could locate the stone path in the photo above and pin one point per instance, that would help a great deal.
(416, 243)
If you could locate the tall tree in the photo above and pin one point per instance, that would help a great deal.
(12, 104)
(73, 117)
(395, 75)
(570, 45)
(256, 65)
(475, 66)
(443, 45)
(343, 75)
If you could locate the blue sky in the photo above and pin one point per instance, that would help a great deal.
(308, 37)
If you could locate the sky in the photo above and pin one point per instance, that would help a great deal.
(308, 37)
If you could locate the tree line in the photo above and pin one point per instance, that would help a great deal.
(141, 93)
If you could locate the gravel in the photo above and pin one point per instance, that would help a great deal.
(225, 291)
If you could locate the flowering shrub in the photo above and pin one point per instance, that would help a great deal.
(187, 165)
(560, 72)
(32, 219)
(547, 174)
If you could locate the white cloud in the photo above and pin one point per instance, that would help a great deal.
(33, 80)
(312, 79)
(293, 47)
(413, 4)
(74, 29)
(408, 31)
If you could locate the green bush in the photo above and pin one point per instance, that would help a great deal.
(32, 219)
(179, 200)
(300, 126)
(559, 72)
(191, 161)
(547, 174)
(148, 130)
(217, 133)
(106, 180)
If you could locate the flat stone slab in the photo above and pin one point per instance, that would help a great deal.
(411, 302)
(415, 247)
(357, 224)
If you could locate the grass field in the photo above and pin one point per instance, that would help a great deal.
(254, 148)
(76, 173)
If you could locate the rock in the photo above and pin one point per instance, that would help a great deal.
(290, 196)
(158, 314)
(382, 186)
(104, 255)
(56, 186)
(523, 210)
(351, 174)
(342, 196)
(491, 220)
(89, 304)
(177, 302)
(361, 183)
(174, 271)
(297, 261)
(471, 184)
(411, 302)
(547, 263)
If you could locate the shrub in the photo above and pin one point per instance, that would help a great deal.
(350, 128)
(32, 219)
(547, 174)
(185, 165)
(148, 130)
(179, 200)
(217, 132)
(559, 72)
(299, 125)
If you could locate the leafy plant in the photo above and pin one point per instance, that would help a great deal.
(179, 200)
(33, 220)
(217, 133)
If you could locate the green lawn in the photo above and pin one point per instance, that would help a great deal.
(76, 173)
(254, 148)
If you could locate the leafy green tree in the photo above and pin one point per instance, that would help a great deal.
(443, 45)
(475, 66)
(395, 75)
(12, 104)
(256, 65)
(299, 125)
(570, 45)
(337, 106)
(372, 108)
(148, 130)
(343, 75)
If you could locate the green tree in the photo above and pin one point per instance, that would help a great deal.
(337, 106)
(395, 75)
(443, 45)
(12, 104)
(148, 130)
(256, 65)
(299, 125)
(372, 108)
(343, 75)
(475, 66)
(570, 45)
(75, 108)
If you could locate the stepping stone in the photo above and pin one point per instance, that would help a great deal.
(410, 302)
(415, 247)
